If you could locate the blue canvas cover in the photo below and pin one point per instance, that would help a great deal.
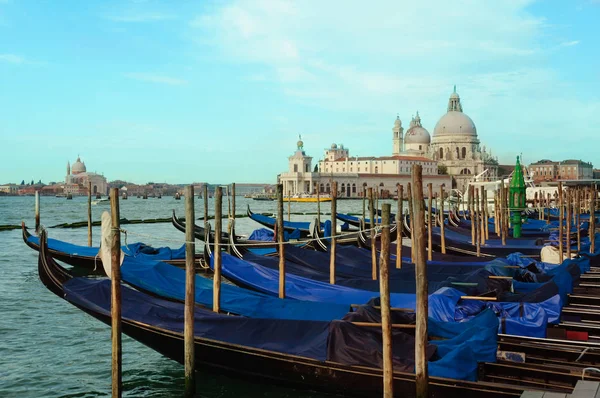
(444, 305)
(267, 235)
(168, 281)
(338, 341)
(132, 249)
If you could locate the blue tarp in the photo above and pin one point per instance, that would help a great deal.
(132, 249)
(168, 281)
(267, 235)
(444, 304)
(340, 341)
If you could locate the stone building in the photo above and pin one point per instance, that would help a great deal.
(76, 180)
(456, 146)
(571, 169)
(352, 174)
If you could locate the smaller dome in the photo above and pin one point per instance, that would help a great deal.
(300, 144)
(417, 135)
(333, 146)
(78, 167)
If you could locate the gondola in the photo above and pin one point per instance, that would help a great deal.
(302, 227)
(199, 233)
(282, 352)
(87, 257)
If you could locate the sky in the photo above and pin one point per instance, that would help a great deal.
(218, 91)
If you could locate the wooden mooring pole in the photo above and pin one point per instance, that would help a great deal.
(560, 222)
(333, 233)
(442, 226)
(372, 234)
(364, 199)
(410, 219)
(430, 222)
(217, 250)
(205, 197)
(592, 228)
(384, 291)
(482, 218)
(89, 211)
(568, 223)
(472, 212)
(399, 226)
(577, 217)
(477, 224)
(37, 211)
(289, 205)
(319, 207)
(115, 296)
(190, 290)
(422, 309)
(280, 241)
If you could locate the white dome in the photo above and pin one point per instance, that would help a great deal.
(455, 123)
(417, 135)
(78, 167)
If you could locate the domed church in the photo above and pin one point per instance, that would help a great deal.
(77, 178)
(454, 145)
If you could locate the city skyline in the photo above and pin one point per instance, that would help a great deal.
(219, 91)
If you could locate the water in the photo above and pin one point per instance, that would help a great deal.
(49, 348)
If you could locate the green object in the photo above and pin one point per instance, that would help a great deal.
(516, 198)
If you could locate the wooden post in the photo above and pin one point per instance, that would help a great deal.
(89, 215)
(115, 296)
(289, 205)
(486, 214)
(190, 291)
(384, 292)
(399, 228)
(430, 222)
(503, 215)
(233, 201)
(496, 213)
(411, 224)
(319, 207)
(482, 215)
(422, 309)
(477, 224)
(560, 222)
(205, 197)
(568, 223)
(372, 234)
(217, 250)
(37, 211)
(376, 192)
(333, 233)
(364, 201)
(442, 226)
(592, 228)
(280, 241)
(472, 212)
(577, 217)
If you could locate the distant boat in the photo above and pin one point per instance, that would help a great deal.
(263, 196)
(102, 201)
(303, 198)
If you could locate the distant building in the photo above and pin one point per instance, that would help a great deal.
(76, 181)
(596, 174)
(9, 189)
(549, 170)
(352, 174)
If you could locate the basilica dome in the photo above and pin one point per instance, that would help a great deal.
(455, 122)
(417, 134)
(78, 167)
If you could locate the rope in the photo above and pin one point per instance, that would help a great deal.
(590, 369)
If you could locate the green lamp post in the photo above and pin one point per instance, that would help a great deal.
(516, 200)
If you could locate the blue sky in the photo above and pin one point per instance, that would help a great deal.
(218, 91)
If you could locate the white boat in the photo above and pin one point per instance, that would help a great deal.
(101, 201)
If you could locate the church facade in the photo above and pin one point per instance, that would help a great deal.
(76, 180)
(452, 157)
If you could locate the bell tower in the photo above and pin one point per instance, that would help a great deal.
(397, 137)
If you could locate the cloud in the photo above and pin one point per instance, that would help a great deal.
(140, 18)
(569, 43)
(11, 58)
(154, 78)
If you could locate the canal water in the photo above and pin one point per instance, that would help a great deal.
(49, 348)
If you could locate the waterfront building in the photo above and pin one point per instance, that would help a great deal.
(352, 174)
(76, 180)
(9, 189)
(570, 169)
